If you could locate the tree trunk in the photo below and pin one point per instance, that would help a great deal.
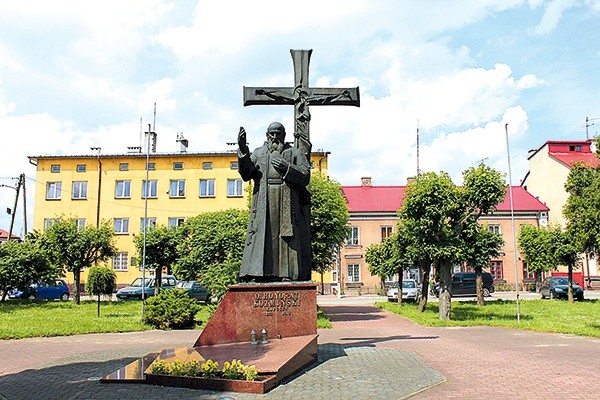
(322, 285)
(158, 281)
(98, 305)
(570, 285)
(424, 270)
(76, 280)
(400, 286)
(445, 300)
(479, 286)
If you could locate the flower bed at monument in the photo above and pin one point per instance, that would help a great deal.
(234, 376)
(233, 369)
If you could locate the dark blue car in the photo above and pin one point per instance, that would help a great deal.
(55, 290)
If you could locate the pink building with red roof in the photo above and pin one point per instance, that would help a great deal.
(549, 168)
(373, 217)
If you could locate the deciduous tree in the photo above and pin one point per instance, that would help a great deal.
(72, 249)
(329, 222)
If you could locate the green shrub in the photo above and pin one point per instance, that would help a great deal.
(210, 369)
(171, 309)
(236, 370)
(101, 280)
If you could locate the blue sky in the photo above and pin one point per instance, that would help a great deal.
(78, 74)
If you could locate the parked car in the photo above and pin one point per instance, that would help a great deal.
(195, 290)
(410, 290)
(464, 284)
(134, 291)
(555, 287)
(55, 290)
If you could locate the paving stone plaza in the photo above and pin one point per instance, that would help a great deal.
(368, 354)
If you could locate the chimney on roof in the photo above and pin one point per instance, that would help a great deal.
(182, 142)
(152, 141)
(366, 181)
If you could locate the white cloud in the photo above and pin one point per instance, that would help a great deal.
(552, 13)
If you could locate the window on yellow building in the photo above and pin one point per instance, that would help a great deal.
(53, 190)
(233, 165)
(48, 222)
(234, 188)
(177, 188)
(124, 166)
(174, 222)
(353, 272)
(80, 224)
(151, 188)
(121, 226)
(55, 168)
(123, 189)
(207, 188)
(120, 261)
(81, 167)
(79, 190)
(207, 165)
(386, 232)
(149, 222)
(178, 165)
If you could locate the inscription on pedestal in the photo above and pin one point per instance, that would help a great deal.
(276, 301)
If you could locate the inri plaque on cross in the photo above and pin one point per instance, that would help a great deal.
(301, 96)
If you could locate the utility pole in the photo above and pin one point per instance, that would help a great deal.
(20, 182)
(587, 125)
(99, 185)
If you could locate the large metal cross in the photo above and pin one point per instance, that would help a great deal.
(301, 96)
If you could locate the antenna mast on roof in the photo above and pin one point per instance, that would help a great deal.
(154, 122)
(141, 132)
(418, 169)
(587, 125)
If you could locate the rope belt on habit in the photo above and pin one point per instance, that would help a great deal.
(274, 181)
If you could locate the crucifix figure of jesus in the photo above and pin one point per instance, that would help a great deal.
(301, 96)
(278, 246)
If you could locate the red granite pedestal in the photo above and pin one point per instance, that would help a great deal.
(287, 312)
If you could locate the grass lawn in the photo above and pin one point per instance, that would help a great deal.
(560, 316)
(24, 319)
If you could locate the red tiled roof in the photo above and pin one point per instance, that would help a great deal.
(569, 158)
(4, 235)
(374, 198)
(389, 199)
(523, 201)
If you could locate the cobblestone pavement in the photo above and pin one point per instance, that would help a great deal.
(369, 354)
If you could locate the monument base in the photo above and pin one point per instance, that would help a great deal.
(283, 317)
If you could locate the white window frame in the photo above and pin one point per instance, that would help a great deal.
(387, 231)
(121, 261)
(122, 189)
(207, 165)
(81, 168)
(48, 222)
(153, 189)
(123, 166)
(151, 223)
(235, 188)
(53, 190)
(80, 224)
(79, 191)
(55, 168)
(351, 274)
(354, 236)
(175, 222)
(495, 228)
(209, 188)
(177, 188)
(178, 165)
(121, 226)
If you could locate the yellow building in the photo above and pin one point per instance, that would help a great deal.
(111, 187)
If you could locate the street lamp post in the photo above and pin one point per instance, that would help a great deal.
(512, 219)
